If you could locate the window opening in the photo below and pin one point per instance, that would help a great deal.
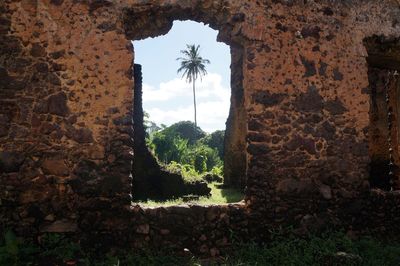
(185, 162)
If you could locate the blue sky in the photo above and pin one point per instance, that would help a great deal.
(167, 97)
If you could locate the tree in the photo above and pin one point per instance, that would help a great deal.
(184, 129)
(192, 66)
(176, 144)
(215, 140)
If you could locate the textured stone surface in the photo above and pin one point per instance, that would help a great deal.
(298, 130)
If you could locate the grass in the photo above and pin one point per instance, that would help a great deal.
(218, 196)
(281, 250)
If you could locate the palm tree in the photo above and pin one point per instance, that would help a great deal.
(192, 66)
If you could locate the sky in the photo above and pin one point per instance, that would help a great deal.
(166, 96)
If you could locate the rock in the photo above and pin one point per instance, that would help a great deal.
(214, 252)
(96, 152)
(143, 229)
(54, 79)
(293, 186)
(311, 223)
(268, 99)
(311, 101)
(81, 135)
(322, 68)
(298, 142)
(198, 188)
(4, 124)
(212, 213)
(335, 107)
(55, 167)
(342, 258)
(58, 54)
(31, 196)
(325, 191)
(258, 149)
(311, 31)
(42, 67)
(337, 75)
(325, 130)
(310, 69)
(95, 4)
(49, 218)
(60, 226)
(37, 50)
(11, 161)
(204, 249)
(164, 232)
(57, 104)
(209, 177)
(123, 121)
(255, 125)
(57, 2)
(107, 26)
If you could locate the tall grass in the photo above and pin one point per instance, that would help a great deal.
(219, 195)
(282, 250)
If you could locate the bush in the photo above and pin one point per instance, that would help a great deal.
(15, 251)
(187, 171)
(177, 144)
(215, 175)
(215, 140)
(202, 157)
(333, 248)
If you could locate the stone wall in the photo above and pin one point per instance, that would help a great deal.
(65, 109)
(304, 99)
(384, 81)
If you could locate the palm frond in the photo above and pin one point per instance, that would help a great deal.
(192, 64)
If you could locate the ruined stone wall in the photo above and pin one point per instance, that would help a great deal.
(65, 118)
(65, 111)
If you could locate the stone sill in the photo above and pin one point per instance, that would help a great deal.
(137, 206)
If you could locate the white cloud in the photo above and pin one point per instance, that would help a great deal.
(213, 102)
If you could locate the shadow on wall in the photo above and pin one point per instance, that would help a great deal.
(384, 88)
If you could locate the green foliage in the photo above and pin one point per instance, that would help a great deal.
(202, 157)
(219, 195)
(185, 130)
(14, 251)
(217, 170)
(168, 148)
(316, 250)
(187, 171)
(58, 247)
(215, 140)
(283, 249)
(177, 144)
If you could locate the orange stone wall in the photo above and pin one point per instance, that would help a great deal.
(301, 111)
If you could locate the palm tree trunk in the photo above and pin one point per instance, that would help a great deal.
(195, 111)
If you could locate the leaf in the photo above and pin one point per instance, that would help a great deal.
(11, 243)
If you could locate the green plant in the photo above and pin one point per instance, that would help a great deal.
(10, 249)
(284, 249)
(215, 140)
(187, 171)
(14, 251)
(59, 247)
(176, 143)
